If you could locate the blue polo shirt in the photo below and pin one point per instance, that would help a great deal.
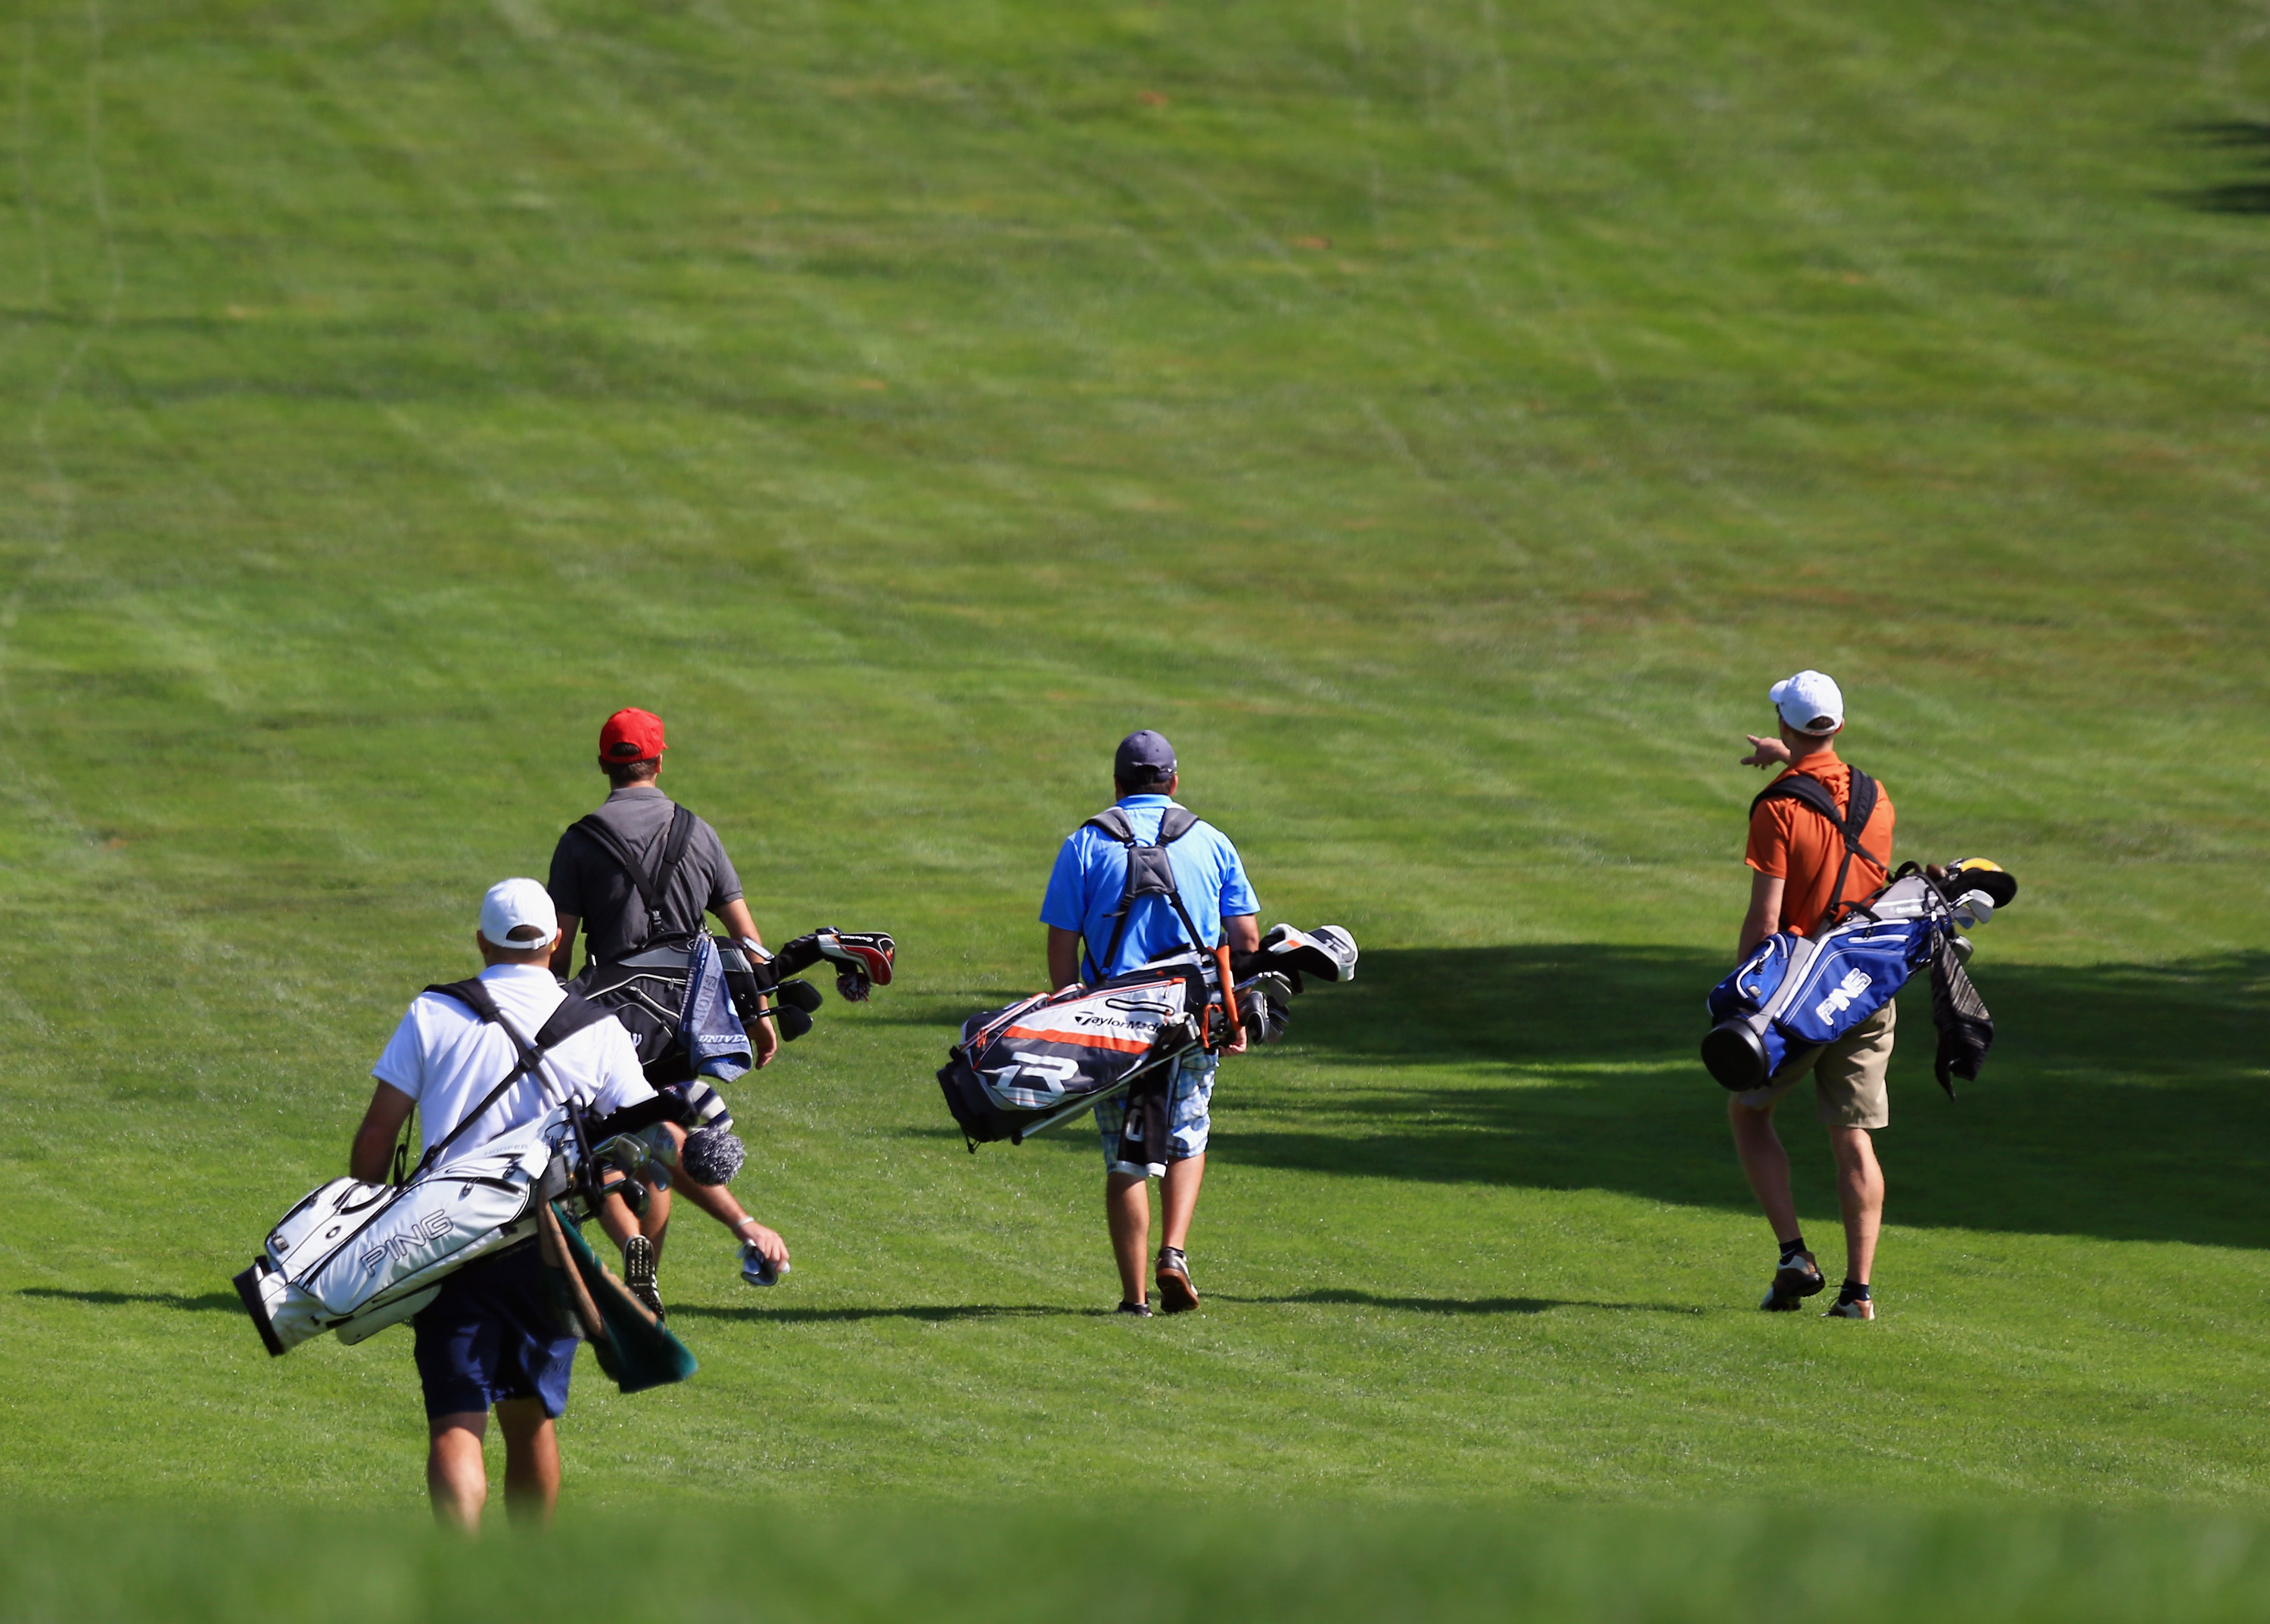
(1091, 873)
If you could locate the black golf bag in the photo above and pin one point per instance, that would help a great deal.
(657, 994)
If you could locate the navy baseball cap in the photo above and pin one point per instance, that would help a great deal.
(1143, 758)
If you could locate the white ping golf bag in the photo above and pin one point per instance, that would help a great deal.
(354, 1259)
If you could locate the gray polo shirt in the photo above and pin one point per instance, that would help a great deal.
(588, 882)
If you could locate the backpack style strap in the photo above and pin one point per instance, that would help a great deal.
(1148, 873)
(1850, 823)
(652, 884)
(573, 1015)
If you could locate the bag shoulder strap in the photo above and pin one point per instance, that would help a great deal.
(473, 994)
(1147, 875)
(1174, 823)
(1859, 806)
(573, 1015)
(651, 883)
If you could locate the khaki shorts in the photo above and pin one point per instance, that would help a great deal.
(1848, 1075)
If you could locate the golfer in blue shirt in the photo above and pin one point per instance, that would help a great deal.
(1080, 912)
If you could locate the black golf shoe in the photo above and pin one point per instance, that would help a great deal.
(639, 1274)
(1176, 1294)
(1798, 1277)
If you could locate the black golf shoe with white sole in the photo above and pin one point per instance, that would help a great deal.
(1796, 1278)
(1176, 1294)
(639, 1274)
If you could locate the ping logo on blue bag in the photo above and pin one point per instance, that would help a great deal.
(1840, 996)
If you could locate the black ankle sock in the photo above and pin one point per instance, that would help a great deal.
(1791, 1247)
(1853, 1291)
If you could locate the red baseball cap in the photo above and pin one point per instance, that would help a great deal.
(631, 736)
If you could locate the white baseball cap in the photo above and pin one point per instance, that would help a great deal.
(1810, 702)
(522, 906)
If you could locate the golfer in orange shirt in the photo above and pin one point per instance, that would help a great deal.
(1800, 873)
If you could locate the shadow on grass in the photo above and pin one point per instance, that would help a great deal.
(933, 1313)
(1458, 1305)
(211, 1302)
(2248, 197)
(2127, 1102)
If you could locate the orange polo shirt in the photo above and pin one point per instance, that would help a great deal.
(1794, 843)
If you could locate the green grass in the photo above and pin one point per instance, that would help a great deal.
(1442, 422)
(1215, 1562)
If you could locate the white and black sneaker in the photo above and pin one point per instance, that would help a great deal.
(1176, 1294)
(1796, 1278)
(1852, 1302)
(1141, 1310)
(639, 1274)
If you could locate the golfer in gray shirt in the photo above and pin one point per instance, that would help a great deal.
(593, 891)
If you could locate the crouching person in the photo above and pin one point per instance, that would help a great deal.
(492, 1339)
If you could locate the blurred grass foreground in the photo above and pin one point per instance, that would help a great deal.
(1184, 1562)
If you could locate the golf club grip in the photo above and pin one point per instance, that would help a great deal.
(1228, 993)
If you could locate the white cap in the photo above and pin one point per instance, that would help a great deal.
(514, 905)
(1810, 702)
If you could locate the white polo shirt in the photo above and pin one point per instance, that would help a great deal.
(447, 1058)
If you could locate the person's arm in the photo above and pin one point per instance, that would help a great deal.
(1064, 958)
(1765, 753)
(563, 951)
(382, 1125)
(1241, 933)
(741, 924)
(1764, 917)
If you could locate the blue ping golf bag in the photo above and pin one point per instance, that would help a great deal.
(1795, 993)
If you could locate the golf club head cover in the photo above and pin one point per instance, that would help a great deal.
(791, 1022)
(1328, 953)
(1266, 1002)
(695, 1105)
(866, 956)
(1981, 874)
(799, 995)
(712, 1156)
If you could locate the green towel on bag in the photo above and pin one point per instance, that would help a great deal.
(634, 1347)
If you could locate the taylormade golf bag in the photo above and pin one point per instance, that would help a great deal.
(1795, 993)
(1025, 1068)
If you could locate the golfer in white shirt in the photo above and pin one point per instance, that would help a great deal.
(492, 1339)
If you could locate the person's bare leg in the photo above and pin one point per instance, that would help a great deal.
(1178, 1199)
(616, 1217)
(456, 1477)
(656, 1222)
(532, 1461)
(1765, 1163)
(1860, 1192)
(1127, 1208)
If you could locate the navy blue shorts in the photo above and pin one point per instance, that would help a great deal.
(494, 1334)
